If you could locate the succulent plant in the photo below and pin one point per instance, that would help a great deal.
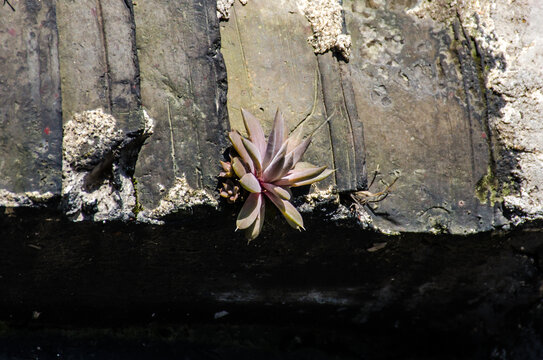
(267, 169)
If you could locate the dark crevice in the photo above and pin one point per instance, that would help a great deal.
(107, 73)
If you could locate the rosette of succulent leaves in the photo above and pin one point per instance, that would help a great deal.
(267, 169)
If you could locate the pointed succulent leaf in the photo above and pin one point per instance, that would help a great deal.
(315, 179)
(276, 138)
(274, 170)
(299, 150)
(237, 142)
(254, 153)
(287, 166)
(253, 231)
(298, 175)
(256, 134)
(282, 192)
(295, 138)
(288, 210)
(249, 211)
(239, 167)
(250, 183)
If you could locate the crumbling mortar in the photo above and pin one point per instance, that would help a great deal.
(224, 6)
(180, 197)
(326, 19)
(98, 160)
(30, 198)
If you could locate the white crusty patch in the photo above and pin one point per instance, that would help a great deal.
(326, 19)
(88, 135)
(29, 198)
(223, 8)
(181, 196)
(88, 138)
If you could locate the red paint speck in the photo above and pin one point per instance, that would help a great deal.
(47, 131)
(483, 135)
(12, 32)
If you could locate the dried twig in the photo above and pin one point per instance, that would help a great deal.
(7, 2)
(363, 198)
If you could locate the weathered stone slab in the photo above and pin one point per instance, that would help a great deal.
(30, 108)
(98, 60)
(183, 87)
(271, 65)
(346, 129)
(104, 126)
(418, 91)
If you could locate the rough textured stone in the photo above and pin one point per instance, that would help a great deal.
(183, 87)
(98, 62)
(411, 79)
(327, 23)
(508, 34)
(421, 96)
(103, 120)
(98, 166)
(271, 65)
(30, 108)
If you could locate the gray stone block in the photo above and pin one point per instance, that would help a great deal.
(30, 104)
(420, 94)
(183, 87)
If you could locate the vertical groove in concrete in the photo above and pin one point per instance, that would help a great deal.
(30, 105)
(183, 88)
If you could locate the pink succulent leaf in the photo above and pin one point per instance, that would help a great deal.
(276, 138)
(298, 175)
(295, 138)
(299, 150)
(274, 170)
(289, 164)
(250, 183)
(282, 192)
(249, 211)
(310, 181)
(238, 167)
(288, 210)
(256, 134)
(254, 153)
(254, 230)
(237, 142)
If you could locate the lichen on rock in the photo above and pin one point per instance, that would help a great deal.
(326, 20)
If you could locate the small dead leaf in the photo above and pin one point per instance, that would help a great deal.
(377, 247)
